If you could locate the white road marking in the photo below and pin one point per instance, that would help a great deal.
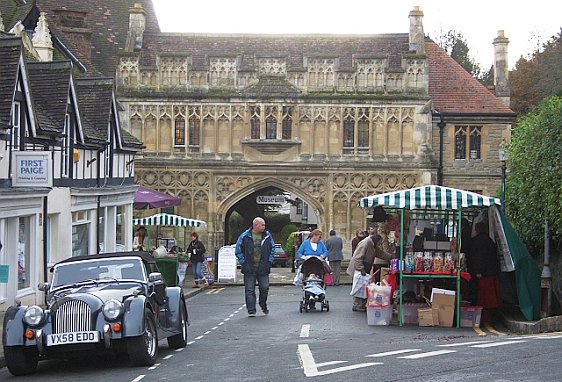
(330, 363)
(214, 327)
(305, 331)
(207, 332)
(548, 337)
(494, 344)
(311, 368)
(394, 352)
(180, 349)
(198, 338)
(428, 354)
(137, 379)
(232, 315)
(190, 342)
(154, 366)
(464, 344)
(226, 319)
(168, 356)
(220, 323)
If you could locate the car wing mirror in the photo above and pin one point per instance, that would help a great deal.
(154, 277)
(43, 287)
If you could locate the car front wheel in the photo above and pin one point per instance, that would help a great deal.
(180, 339)
(19, 360)
(143, 349)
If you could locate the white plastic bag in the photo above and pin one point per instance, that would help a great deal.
(359, 287)
(378, 294)
(297, 281)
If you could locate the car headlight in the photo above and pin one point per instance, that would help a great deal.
(112, 309)
(33, 315)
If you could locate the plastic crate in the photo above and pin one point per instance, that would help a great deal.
(379, 315)
(470, 316)
(410, 312)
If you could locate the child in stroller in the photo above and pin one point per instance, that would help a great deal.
(313, 269)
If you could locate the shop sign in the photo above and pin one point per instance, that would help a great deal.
(32, 169)
(270, 199)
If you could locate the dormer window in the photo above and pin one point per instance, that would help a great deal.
(71, 19)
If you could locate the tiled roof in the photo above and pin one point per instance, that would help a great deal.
(453, 90)
(108, 24)
(13, 11)
(94, 100)
(10, 52)
(272, 87)
(95, 97)
(293, 47)
(50, 82)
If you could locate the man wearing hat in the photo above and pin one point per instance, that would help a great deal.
(334, 244)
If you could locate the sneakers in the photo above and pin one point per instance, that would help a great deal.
(265, 311)
(251, 314)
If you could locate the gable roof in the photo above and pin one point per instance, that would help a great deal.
(10, 53)
(94, 98)
(454, 91)
(50, 82)
(14, 11)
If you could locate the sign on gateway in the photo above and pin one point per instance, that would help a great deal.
(270, 199)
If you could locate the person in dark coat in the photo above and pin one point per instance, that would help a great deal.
(255, 250)
(334, 244)
(196, 250)
(484, 265)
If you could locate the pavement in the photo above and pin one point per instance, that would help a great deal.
(512, 317)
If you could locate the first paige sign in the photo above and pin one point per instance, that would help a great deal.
(32, 169)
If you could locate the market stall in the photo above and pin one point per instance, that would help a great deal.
(169, 249)
(430, 242)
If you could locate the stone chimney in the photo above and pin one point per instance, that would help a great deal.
(417, 37)
(501, 69)
(42, 39)
(137, 25)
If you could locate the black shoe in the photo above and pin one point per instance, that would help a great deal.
(265, 311)
(251, 314)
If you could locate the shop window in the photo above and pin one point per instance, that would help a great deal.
(101, 229)
(24, 252)
(80, 233)
(120, 229)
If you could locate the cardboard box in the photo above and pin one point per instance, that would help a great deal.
(428, 317)
(444, 301)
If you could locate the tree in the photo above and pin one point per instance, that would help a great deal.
(455, 45)
(534, 183)
(538, 77)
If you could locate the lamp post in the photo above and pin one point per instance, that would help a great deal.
(503, 160)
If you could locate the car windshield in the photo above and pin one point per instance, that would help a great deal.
(121, 268)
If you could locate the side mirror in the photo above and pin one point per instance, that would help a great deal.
(154, 277)
(43, 287)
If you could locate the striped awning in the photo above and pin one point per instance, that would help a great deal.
(163, 219)
(430, 196)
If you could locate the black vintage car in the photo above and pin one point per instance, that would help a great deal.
(116, 302)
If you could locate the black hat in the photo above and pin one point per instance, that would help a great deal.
(332, 232)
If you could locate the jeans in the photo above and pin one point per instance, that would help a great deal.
(197, 271)
(250, 291)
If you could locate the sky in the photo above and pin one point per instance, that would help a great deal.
(527, 24)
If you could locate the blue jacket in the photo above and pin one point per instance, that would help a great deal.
(245, 253)
(306, 250)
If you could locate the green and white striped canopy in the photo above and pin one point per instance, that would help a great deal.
(169, 220)
(430, 196)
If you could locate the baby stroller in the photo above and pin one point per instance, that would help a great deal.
(313, 269)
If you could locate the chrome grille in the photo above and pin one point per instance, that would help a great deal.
(72, 316)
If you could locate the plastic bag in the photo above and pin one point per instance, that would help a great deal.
(359, 286)
(297, 281)
(378, 295)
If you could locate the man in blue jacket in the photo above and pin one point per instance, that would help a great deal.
(255, 251)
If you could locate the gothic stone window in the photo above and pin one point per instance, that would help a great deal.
(194, 132)
(363, 133)
(287, 125)
(468, 141)
(255, 122)
(348, 132)
(179, 131)
(270, 127)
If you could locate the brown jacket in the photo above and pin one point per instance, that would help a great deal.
(386, 248)
(365, 253)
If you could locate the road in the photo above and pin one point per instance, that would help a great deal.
(227, 345)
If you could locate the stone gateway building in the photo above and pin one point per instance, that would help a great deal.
(327, 118)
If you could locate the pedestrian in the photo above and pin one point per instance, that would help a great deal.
(196, 250)
(384, 246)
(359, 235)
(362, 261)
(313, 246)
(484, 265)
(334, 245)
(255, 250)
(139, 239)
